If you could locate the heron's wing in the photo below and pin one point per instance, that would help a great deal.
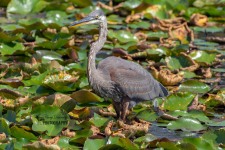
(136, 84)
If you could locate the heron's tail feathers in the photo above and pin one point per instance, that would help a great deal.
(164, 91)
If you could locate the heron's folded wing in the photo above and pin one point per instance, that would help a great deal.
(136, 85)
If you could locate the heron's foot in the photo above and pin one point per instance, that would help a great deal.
(107, 113)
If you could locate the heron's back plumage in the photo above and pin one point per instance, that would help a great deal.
(131, 79)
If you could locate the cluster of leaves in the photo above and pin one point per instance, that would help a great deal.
(45, 100)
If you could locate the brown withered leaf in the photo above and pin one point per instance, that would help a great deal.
(4, 69)
(166, 24)
(141, 36)
(194, 104)
(40, 145)
(136, 128)
(177, 29)
(13, 82)
(166, 77)
(68, 133)
(95, 130)
(108, 128)
(3, 138)
(155, 72)
(50, 141)
(207, 73)
(180, 33)
(198, 20)
(134, 17)
(110, 7)
(106, 113)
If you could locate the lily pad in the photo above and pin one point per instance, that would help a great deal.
(62, 82)
(122, 36)
(116, 142)
(4, 126)
(91, 144)
(203, 56)
(186, 124)
(81, 136)
(194, 86)
(98, 120)
(10, 48)
(178, 101)
(25, 7)
(131, 4)
(21, 133)
(49, 118)
(177, 62)
(85, 96)
(147, 115)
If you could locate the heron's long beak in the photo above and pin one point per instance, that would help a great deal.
(86, 20)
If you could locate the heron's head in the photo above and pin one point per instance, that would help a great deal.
(95, 17)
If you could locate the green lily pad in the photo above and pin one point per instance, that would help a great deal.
(158, 11)
(57, 17)
(142, 25)
(4, 126)
(122, 36)
(21, 133)
(5, 37)
(217, 124)
(127, 46)
(63, 143)
(131, 4)
(115, 19)
(177, 62)
(178, 101)
(53, 44)
(119, 143)
(10, 116)
(186, 124)
(49, 118)
(32, 24)
(24, 7)
(81, 136)
(218, 69)
(61, 82)
(200, 143)
(203, 56)
(81, 3)
(194, 86)
(47, 56)
(144, 141)
(188, 74)
(147, 115)
(10, 48)
(91, 144)
(36, 80)
(157, 35)
(98, 120)
(85, 96)
(220, 133)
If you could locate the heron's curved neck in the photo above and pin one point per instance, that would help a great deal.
(95, 47)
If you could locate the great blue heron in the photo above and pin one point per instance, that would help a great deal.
(125, 82)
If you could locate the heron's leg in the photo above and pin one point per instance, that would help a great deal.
(124, 109)
(117, 108)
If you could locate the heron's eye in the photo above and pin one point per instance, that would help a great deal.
(96, 17)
